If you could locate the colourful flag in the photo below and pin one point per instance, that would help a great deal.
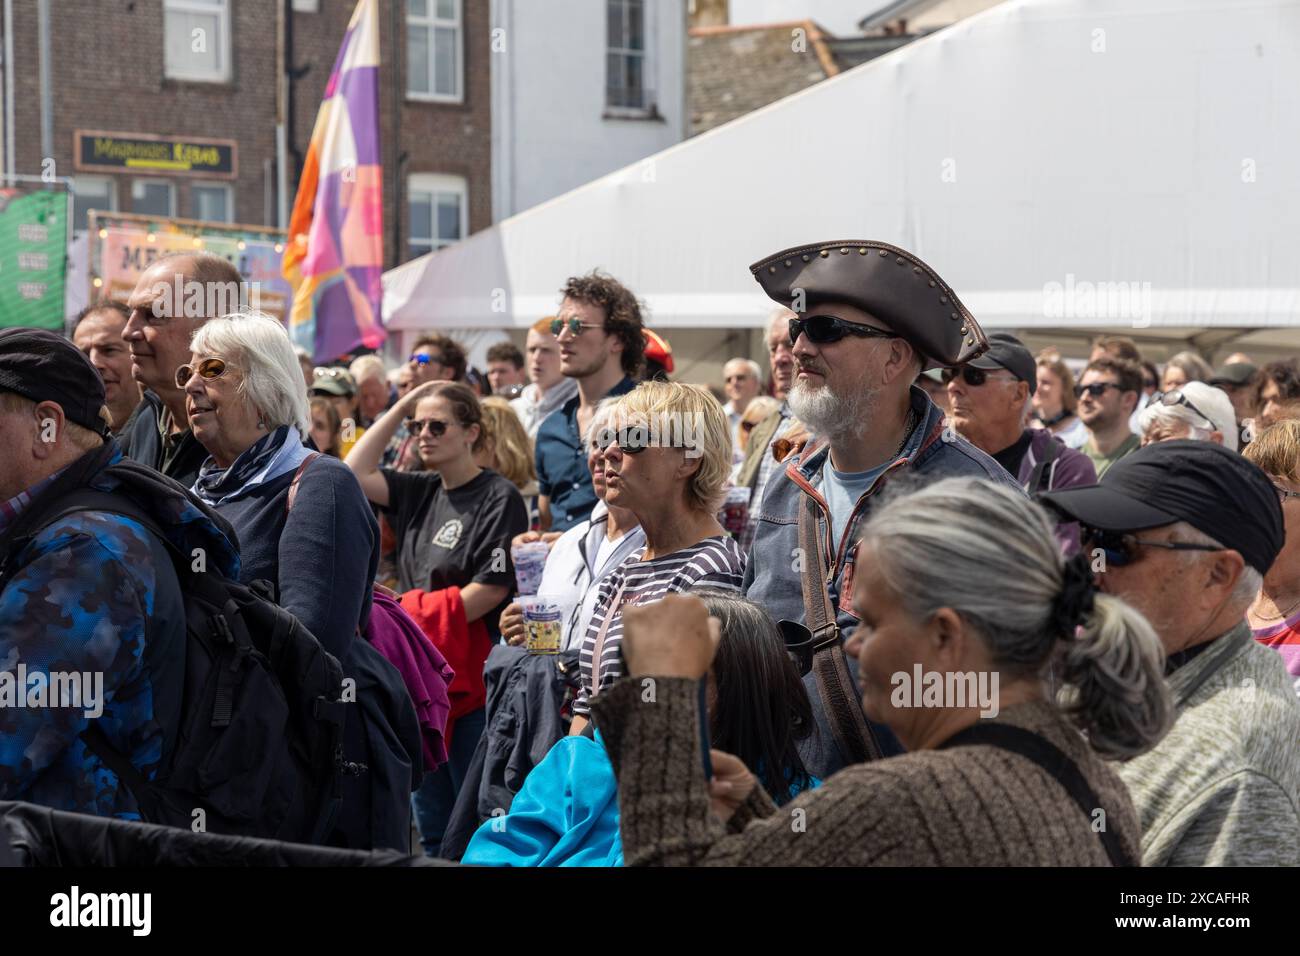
(335, 253)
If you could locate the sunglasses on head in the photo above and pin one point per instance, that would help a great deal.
(1096, 389)
(825, 329)
(436, 427)
(974, 377)
(573, 324)
(324, 372)
(1175, 397)
(426, 358)
(207, 370)
(1121, 547)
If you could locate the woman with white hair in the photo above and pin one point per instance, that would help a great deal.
(1197, 411)
(304, 525)
(666, 454)
(967, 609)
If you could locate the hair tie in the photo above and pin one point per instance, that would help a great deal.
(1075, 601)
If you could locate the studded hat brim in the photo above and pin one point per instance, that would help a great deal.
(888, 283)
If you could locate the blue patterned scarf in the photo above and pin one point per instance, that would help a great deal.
(265, 460)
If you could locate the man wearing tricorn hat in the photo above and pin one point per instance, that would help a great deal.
(870, 317)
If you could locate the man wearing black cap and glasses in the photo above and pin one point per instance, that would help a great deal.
(89, 599)
(1185, 531)
(868, 318)
(989, 399)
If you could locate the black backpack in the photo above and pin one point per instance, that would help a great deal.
(259, 749)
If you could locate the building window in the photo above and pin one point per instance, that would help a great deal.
(625, 57)
(153, 197)
(91, 192)
(211, 202)
(433, 45)
(439, 212)
(196, 40)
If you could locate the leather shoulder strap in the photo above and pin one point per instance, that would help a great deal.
(853, 737)
(1055, 761)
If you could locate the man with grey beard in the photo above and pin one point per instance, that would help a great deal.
(870, 318)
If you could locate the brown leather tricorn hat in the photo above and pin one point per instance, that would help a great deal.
(884, 281)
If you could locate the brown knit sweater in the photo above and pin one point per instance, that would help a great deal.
(965, 806)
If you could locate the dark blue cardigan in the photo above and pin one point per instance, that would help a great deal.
(322, 557)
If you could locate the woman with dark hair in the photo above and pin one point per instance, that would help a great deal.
(566, 813)
(453, 523)
(326, 427)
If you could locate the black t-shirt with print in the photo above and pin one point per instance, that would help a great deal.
(454, 538)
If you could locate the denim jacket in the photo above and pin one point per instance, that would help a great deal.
(932, 452)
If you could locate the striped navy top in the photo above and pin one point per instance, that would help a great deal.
(715, 562)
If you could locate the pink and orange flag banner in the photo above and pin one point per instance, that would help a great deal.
(335, 252)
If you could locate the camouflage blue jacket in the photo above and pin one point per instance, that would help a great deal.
(92, 628)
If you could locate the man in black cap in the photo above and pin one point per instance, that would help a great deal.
(1185, 531)
(90, 604)
(989, 398)
(869, 318)
(1241, 382)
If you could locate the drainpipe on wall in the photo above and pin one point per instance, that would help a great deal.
(9, 88)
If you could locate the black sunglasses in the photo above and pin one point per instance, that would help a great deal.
(436, 427)
(1121, 548)
(825, 329)
(1096, 389)
(974, 377)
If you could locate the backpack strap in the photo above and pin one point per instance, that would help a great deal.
(1056, 762)
(297, 477)
(1036, 477)
(853, 737)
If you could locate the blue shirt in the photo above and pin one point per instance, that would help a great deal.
(562, 474)
(842, 489)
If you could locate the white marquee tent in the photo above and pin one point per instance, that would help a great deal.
(1063, 164)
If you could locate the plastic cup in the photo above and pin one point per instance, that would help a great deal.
(734, 515)
(543, 624)
(530, 561)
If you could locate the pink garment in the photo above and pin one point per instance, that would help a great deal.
(424, 670)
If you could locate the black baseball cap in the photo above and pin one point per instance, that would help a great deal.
(1237, 373)
(1008, 352)
(43, 366)
(1214, 490)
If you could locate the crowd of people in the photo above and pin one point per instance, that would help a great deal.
(912, 595)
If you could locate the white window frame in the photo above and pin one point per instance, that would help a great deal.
(429, 22)
(648, 65)
(79, 180)
(435, 184)
(224, 187)
(224, 16)
(147, 181)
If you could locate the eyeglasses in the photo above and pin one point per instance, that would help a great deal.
(974, 377)
(1176, 397)
(1096, 389)
(208, 369)
(1283, 494)
(417, 426)
(825, 329)
(1121, 548)
(633, 441)
(426, 358)
(573, 324)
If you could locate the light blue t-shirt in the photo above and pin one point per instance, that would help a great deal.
(842, 489)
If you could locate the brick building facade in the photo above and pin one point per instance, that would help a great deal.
(110, 72)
